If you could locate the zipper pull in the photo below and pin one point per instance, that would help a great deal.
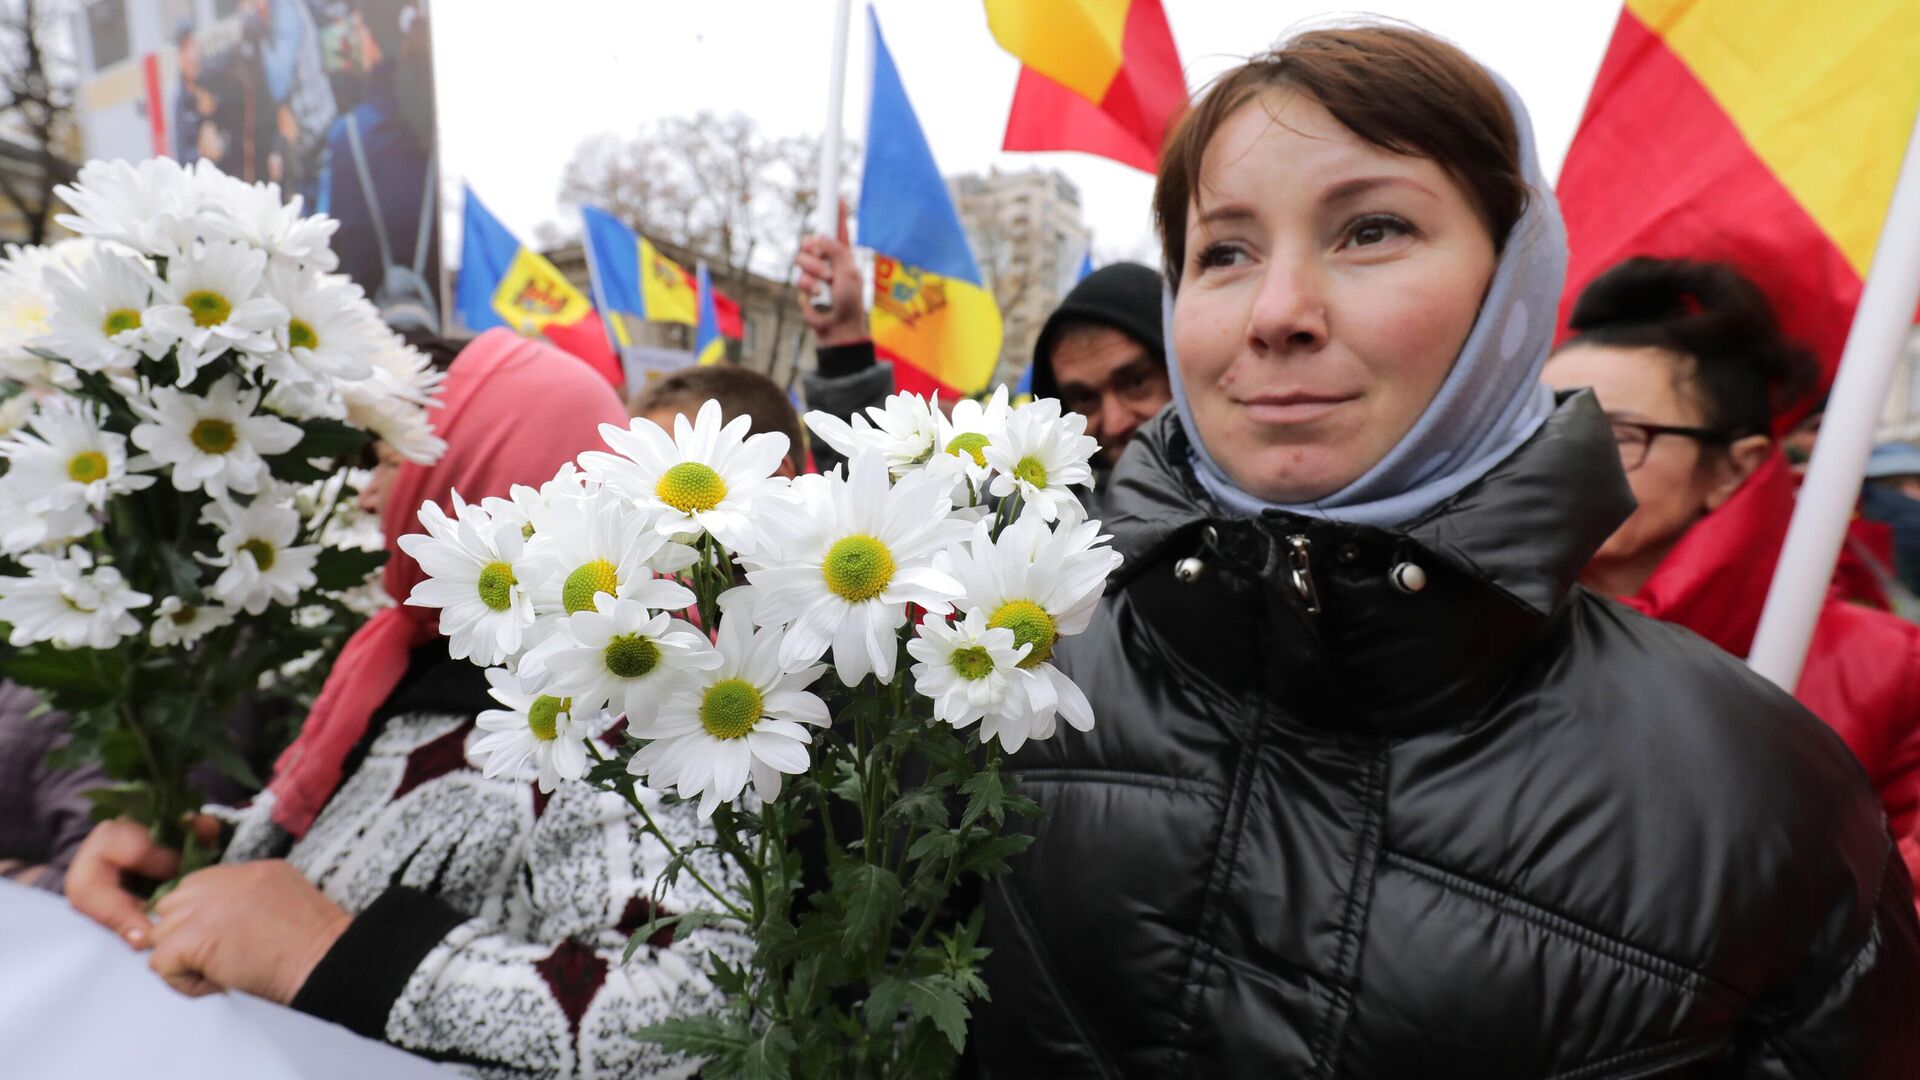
(1299, 550)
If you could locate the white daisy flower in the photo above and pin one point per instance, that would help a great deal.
(27, 305)
(66, 600)
(479, 578)
(536, 737)
(1044, 454)
(177, 622)
(904, 430)
(1043, 584)
(331, 329)
(149, 207)
(963, 438)
(210, 303)
(262, 564)
(966, 668)
(392, 400)
(855, 551)
(213, 442)
(96, 324)
(740, 721)
(66, 458)
(255, 214)
(703, 479)
(23, 528)
(624, 658)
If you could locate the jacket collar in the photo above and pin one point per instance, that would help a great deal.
(1498, 561)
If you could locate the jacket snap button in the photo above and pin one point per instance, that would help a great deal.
(1188, 570)
(1408, 577)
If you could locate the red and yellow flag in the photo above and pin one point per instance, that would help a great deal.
(1101, 76)
(1766, 133)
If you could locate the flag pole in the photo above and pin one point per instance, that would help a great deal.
(827, 205)
(1832, 485)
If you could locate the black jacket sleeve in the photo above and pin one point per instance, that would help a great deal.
(357, 982)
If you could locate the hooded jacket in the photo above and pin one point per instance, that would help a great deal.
(1862, 674)
(1342, 817)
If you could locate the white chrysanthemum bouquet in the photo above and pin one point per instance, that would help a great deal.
(829, 667)
(187, 384)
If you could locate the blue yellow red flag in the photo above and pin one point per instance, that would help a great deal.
(930, 309)
(630, 276)
(505, 283)
(708, 346)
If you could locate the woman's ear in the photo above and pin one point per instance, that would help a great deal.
(1742, 459)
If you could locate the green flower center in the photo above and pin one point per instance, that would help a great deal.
(730, 708)
(972, 662)
(631, 656)
(119, 321)
(543, 716)
(496, 586)
(598, 576)
(208, 308)
(691, 486)
(1031, 625)
(87, 466)
(185, 615)
(1031, 470)
(213, 436)
(526, 531)
(300, 335)
(969, 444)
(858, 568)
(262, 553)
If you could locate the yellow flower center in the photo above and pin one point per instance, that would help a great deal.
(972, 662)
(1032, 470)
(969, 444)
(213, 436)
(858, 568)
(119, 321)
(87, 466)
(300, 335)
(631, 656)
(184, 615)
(1031, 625)
(691, 486)
(208, 308)
(496, 586)
(262, 553)
(543, 716)
(730, 708)
(598, 576)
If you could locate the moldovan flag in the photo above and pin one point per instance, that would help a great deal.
(1766, 133)
(931, 315)
(505, 283)
(1101, 76)
(708, 346)
(630, 276)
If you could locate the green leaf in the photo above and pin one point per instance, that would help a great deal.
(686, 922)
(989, 857)
(766, 1056)
(329, 439)
(133, 799)
(851, 786)
(987, 798)
(120, 754)
(817, 931)
(872, 898)
(229, 761)
(723, 1041)
(938, 845)
(926, 997)
(338, 569)
(926, 1052)
(183, 575)
(924, 807)
(70, 679)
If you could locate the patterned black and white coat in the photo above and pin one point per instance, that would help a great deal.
(488, 919)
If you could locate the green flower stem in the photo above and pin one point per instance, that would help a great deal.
(627, 792)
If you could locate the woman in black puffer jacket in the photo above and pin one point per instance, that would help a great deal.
(1375, 789)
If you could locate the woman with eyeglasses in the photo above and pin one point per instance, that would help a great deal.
(1691, 367)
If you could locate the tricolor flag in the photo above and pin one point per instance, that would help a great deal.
(931, 315)
(505, 283)
(1767, 133)
(630, 276)
(708, 346)
(1100, 76)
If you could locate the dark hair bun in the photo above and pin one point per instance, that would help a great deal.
(1746, 370)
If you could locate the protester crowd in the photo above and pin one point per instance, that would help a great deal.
(1424, 741)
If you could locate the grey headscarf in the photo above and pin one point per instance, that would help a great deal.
(1491, 402)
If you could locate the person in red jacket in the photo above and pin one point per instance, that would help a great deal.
(1689, 363)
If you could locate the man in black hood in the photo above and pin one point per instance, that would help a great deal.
(1101, 351)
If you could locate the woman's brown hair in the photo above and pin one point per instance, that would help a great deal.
(1398, 88)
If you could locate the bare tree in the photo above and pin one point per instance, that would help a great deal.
(36, 110)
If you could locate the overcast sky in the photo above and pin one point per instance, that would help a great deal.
(516, 95)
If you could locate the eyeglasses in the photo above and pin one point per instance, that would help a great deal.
(1634, 439)
(1134, 384)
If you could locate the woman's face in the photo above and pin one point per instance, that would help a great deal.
(373, 498)
(1329, 285)
(1679, 479)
